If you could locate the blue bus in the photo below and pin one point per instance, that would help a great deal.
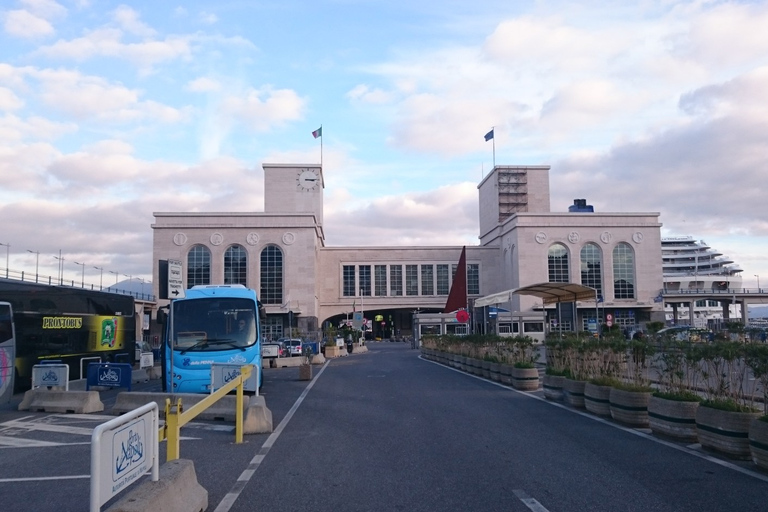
(211, 324)
(7, 352)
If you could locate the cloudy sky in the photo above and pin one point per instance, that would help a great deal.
(110, 111)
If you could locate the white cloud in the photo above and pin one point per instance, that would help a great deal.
(128, 20)
(24, 24)
(48, 9)
(262, 109)
(9, 101)
(374, 96)
(204, 84)
(208, 18)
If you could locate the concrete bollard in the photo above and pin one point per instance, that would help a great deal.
(177, 490)
(258, 418)
(76, 402)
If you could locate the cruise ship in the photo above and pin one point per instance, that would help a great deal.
(690, 264)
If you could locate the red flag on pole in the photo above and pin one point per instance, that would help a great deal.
(457, 297)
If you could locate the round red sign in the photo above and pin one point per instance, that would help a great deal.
(462, 316)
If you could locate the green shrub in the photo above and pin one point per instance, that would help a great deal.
(729, 405)
(679, 396)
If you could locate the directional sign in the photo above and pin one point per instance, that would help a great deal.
(357, 319)
(175, 281)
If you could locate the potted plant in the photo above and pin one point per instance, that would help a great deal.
(525, 375)
(305, 368)
(672, 408)
(603, 357)
(576, 374)
(630, 395)
(555, 370)
(724, 417)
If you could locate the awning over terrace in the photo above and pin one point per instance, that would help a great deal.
(549, 293)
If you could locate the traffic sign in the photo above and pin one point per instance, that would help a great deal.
(175, 280)
(357, 319)
(609, 319)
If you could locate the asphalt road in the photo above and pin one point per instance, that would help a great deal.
(389, 431)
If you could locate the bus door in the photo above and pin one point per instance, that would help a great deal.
(7, 352)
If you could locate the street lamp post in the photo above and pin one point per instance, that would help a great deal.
(82, 279)
(7, 258)
(117, 276)
(37, 261)
(101, 277)
(758, 282)
(61, 267)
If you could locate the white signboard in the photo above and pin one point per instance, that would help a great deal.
(147, 360)
(357, 319)
(175, 280)
(44, 375)
(123, 450)
(224, 373)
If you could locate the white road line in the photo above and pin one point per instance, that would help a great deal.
(48, 427)
(18, 442)
(229, 499)
(43, 478)
(528, 501)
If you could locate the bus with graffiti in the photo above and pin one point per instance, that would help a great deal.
(73, 326)
(211, 324)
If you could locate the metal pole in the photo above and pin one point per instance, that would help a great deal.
(82, 279)
(7, 258)
(37, 261)
(101, 277)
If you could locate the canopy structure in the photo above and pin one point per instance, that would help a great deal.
(552, 293)
(549, 293)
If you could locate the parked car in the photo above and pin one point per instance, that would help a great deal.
(294, 347)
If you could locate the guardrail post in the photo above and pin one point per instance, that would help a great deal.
(173, 429)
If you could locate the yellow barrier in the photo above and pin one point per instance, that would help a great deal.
(176, 417)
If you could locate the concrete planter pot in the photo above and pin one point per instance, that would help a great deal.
(673, 418)
(630, 407)
(597, 399)
(505, 373)
(305, 372)
(525, 379)
(725, 432)
(758, 442)
(573, 392)
(495, 369)
(485, 367)
(553, 387)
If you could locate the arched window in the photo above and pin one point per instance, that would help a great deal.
(557, 262)
(236, 265)
(591, 268)
(271, 275)
(198, 266)
(623, 272)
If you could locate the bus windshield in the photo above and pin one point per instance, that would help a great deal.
(211, 324)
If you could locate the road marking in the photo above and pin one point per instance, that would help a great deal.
(528, 501)
(229, 499)
(17, 442)
(43, 478)
(650, 437)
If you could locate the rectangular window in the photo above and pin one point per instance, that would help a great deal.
(536, 327)
(380, 280)
(365, 280)
(443, 283)
(427, 280)
(411, 279)
(505, 328)
(473, 279)
(396, 280)
(428, 328)
(456, 329)
(348, 281)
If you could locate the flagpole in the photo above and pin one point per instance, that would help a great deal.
(493, 128)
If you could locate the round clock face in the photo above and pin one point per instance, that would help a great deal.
(308, 179)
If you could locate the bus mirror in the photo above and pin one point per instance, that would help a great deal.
(162, 316)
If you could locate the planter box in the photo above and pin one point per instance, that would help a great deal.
(305, 372)
(630, 407)
(525, 379)
(495, 372)
(553, 387)
(597, 399)
(673, 418)
(725, 431)
(758, 442)
(485, 369)
(573, 392)
(505, 373)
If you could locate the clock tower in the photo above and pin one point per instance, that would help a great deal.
(294, 188)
